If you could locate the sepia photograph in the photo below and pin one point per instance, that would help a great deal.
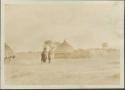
(62, 44)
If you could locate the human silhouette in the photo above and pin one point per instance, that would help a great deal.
(44, 55)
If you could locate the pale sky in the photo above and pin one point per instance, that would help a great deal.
(84, 26)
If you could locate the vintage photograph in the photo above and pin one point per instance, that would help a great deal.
(68, 44)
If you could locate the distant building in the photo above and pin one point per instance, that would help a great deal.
(64, 50)
(9, 54)
(103, 51)
(64, 47)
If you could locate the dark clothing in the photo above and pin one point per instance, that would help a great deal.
(44, 56)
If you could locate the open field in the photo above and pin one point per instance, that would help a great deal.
(28, 70)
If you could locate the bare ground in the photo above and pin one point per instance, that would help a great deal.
(87, 71)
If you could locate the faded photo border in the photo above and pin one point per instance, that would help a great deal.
(3, 86)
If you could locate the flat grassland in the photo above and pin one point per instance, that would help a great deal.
(28, 70)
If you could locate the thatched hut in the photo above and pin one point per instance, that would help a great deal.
(9, 54)
(64, 47)
(63, 50)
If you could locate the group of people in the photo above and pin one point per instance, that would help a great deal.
(47, 55)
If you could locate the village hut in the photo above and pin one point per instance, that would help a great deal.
(64, 47)
(64, 50)
(9, 54)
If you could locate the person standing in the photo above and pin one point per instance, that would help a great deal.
(44, 55)
(50, 55)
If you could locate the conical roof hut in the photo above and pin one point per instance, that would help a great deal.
(64, 47)
(8, 52)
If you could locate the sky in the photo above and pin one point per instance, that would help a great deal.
(27, 26)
